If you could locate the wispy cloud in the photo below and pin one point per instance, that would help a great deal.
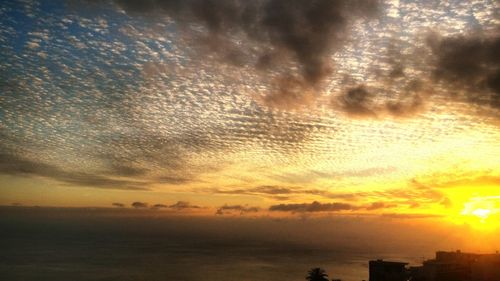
(313, 207)
(159, 206)
(411, 216)
(183, 205)
(17, 165)
(178, 206)
(241, 209)
(139, 205)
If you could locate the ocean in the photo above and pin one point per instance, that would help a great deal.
(67, 246)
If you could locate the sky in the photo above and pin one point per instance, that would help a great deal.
(261, 108)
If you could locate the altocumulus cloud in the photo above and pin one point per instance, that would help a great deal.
(124, 128)
(277, 35)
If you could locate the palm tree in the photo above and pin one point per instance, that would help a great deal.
(317, 274)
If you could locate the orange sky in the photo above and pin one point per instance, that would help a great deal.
(392, 110)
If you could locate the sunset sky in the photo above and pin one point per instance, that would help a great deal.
(253, 108)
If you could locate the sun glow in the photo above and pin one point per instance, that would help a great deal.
(481, 212)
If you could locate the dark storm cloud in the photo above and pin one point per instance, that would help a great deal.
(119, 205)
(11, 164)
(313, 207)
(183, 205)
(139, 205)
(308, 32)
(463, 67)
(470, 63)
(357, 102)
(242, 209)
(290, 92)
(405, 108)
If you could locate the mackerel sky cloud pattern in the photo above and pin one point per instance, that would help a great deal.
(206, 96)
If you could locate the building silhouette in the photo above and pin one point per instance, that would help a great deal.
(381, 270)
(458, 266)
(446, 266)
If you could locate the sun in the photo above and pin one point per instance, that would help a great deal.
(481, 212)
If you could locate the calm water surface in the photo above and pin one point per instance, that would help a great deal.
(155, 249)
